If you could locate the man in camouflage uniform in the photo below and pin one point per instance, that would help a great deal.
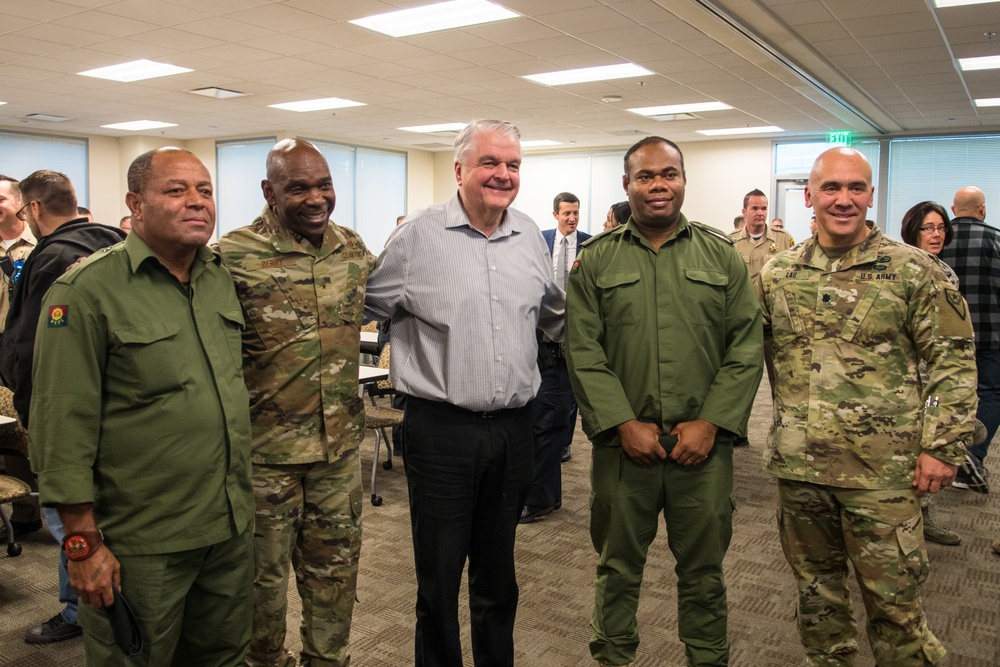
(857, 437)
(301, 281)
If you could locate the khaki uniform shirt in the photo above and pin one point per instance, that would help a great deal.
(851, 410)
(662, 336)
(18, 249)
(303, 307)
(139, 405)
(756, 253)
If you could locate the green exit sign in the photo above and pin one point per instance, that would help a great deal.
(839, 137)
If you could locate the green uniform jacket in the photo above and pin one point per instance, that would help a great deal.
(138, 403)
(303, 308)
(850, 408)
(662, 337)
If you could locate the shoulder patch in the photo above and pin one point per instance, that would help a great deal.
(58, 316)
(712, 230)
(955, 300)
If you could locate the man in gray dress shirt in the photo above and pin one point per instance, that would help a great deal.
(465, 283)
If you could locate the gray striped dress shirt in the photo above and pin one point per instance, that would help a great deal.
(464, 307)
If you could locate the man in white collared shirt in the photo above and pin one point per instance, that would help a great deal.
(554, 406)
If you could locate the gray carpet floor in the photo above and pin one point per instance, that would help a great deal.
(555, 572)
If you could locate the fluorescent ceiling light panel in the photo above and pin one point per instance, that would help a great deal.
(136, 70)
(317, 105)
(740, 130)
(536, 143)
(988, 102)
(137, 125)
(431, 18)
(602, 73)
(2, 103)
(959, 3)
(218, 93)
(681, 108)
(431, 129)
(985, 62)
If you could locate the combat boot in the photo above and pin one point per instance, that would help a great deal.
(936, 533)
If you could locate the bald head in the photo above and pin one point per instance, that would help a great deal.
(970, 202)
(299, 189)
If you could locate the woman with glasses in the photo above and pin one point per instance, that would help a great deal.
(927, 226)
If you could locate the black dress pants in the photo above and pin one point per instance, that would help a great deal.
(468, 475)
(555, 420)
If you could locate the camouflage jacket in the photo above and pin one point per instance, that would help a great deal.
(850, 408)
(303, 309)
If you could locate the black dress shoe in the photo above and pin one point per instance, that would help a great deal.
(22, 528)
(741, 441)
(566, 455)
(56, 629)
(532, 512)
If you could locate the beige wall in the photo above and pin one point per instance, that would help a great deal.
(719, 174)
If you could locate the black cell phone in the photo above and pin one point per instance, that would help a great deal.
(7, 265)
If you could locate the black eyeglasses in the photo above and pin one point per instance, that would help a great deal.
(21, 215)
(930, 229)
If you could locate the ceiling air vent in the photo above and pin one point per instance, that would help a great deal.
(47, 117)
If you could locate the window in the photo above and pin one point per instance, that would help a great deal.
(24, 154)
(596, 178)
(241, 166)
(935, 168)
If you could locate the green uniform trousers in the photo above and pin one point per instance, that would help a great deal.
(193, 608)
(696, 502)
(881, 533)
(308, 515)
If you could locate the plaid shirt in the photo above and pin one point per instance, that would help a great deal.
(974, 253)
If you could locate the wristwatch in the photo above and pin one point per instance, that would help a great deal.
(81, 545)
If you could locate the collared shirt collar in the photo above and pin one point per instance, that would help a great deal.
(629, 229)
(138, 253)
(457, 217)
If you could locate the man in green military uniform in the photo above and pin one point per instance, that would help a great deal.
(664, 349)
(139, 428)
(857, 436)
(301, 280)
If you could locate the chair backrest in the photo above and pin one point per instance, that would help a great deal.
(13, 439)
(384, 386)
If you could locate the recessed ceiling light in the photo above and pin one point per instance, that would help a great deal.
(988, 102)
(47, 117)
(959, 3)
(681, 108)
(440, 127)
(431, 18)
(535, 143)
(136, 125)
(317, 105)
(2, 103)
(583, 75)
(218, 93)
(137, 70)
(985, 62)
(741, 130)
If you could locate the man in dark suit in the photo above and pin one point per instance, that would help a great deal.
(554, 407)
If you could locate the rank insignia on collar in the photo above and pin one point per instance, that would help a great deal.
(58, 316)
(955, 300)
(576, 265)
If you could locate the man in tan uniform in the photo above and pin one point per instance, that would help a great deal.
(16, 241)
(756, 244)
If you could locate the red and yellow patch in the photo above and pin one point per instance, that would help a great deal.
(576, 265)
(58, 316)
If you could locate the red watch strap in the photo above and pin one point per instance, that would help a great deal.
(82, 544)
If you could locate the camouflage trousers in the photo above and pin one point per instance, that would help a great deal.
(880, 532)
(308, 515)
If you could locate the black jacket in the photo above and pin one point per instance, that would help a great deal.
(51, 257)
